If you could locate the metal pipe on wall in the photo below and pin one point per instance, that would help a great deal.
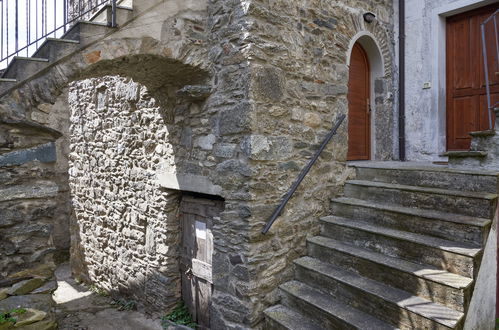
(402, 150)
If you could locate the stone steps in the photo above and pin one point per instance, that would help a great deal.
(87, 32)
(484, 150)
(417, 174)
(426, 281)
(467, 159)
(458, 256)
(283, 318)
(476, 204)
(104, 15)
(21, 68)
(55, 48)
(420, 221)
(327, 311)
(81, 34)
(379, 300)
(402, 247)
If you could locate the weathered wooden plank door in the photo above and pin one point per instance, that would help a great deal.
(359, 115)
(466, 94)
(197, 216)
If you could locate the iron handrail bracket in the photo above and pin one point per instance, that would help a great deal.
(490, 106)
(302, 175)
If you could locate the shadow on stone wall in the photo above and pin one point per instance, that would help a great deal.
(123, 132)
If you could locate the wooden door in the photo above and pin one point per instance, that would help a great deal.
(197, 216)
(466, 94)
(359, 113)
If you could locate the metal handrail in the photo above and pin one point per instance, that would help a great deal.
(302, 175)
(490, 106)
(31, 19)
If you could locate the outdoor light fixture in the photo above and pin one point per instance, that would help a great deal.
(369, 17)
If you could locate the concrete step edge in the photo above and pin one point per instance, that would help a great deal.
(483, 133)
(437, 191)
(34, 59)
(423, 167)
(425, 272)
(460, 248)
(423, 213)
(400, 298)
(68, 41)
(464, 154)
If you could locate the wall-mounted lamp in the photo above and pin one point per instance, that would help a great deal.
(369, 17)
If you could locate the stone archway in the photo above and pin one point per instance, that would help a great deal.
(89, 107)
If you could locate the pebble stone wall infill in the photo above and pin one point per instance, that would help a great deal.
(126, 226)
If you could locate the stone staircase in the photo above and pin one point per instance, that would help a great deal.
(401, 250)
(484, 151)
(80, 35)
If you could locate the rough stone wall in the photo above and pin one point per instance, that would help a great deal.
(126, 226)
(278, 78)
(299, 87)
(34, 194)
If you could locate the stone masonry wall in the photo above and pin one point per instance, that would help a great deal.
(34, 193)
(298, 88)
(125, 231)
(277, 79)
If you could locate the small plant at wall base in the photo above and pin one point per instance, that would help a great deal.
(180, 316)
(124, 305)
(99, 291)
(10, 315)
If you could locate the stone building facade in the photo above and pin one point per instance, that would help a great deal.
(225, 98)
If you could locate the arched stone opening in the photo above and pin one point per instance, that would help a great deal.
(128, 123)
(378, 79)
(124, 120)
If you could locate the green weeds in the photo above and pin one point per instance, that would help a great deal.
(124, 305)
(180, 316)
(10, 316)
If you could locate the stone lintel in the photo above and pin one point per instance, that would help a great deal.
(188, 182)
(194, 92)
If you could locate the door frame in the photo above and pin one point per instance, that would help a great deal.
(439, 63)
(376, 71)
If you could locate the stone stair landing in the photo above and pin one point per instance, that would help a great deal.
(401, 250)
(484, 150)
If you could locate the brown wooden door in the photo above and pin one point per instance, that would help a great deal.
(197, 215)
(359, 116)
(466, 94)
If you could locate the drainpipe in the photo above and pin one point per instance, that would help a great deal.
(402, 80)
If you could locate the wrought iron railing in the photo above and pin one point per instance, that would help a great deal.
(302, 175)
(490, 23)
(25, 24)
